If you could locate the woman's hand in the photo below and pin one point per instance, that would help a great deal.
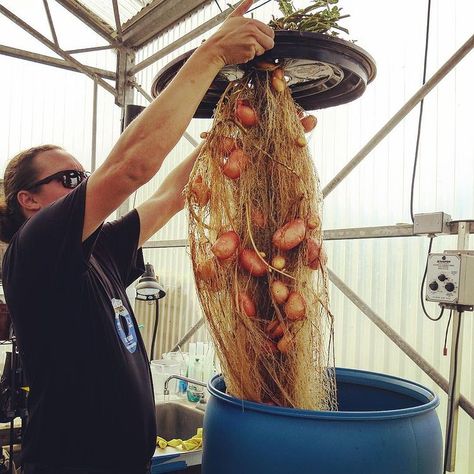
(239, 39)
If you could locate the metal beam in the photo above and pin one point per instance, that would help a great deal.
(424, 365)
(402, 113)
(182, 41)
(50, 21)
(50, 61)
(88, 50)
(79, 66)
(90, 19)
(154, 18)
(118, 24)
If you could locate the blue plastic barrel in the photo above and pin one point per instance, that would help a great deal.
(385, 425)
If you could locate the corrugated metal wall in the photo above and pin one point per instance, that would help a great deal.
(42, 104)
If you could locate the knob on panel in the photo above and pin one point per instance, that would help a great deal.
(449, 286)
(433, 285)
(442, 277)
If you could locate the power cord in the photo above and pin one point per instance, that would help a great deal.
(420, 118)
(422, 292)
(155, 329)
(445, 347)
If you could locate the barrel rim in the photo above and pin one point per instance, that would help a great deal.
(362, 377)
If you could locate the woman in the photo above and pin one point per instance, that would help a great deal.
(91, 407)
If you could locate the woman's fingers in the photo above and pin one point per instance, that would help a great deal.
(241, 8)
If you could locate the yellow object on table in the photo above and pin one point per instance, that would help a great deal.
(187, 445)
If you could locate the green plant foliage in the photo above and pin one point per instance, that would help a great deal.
(322, 16)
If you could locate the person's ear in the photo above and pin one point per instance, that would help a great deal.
(27, 201)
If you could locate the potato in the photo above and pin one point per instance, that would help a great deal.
(247, 305)
(226, 245)
(275, 329)
(279, 74)
(279, 262)
(278, 84)
(245, 114)
(279, 291)
(314, 254)
(290, 235)
(251, 262)
(308, 123)
(200, 191)
(235, 164)
(285, 343)
(313, 222)
(301, 142)
(206, 271)
(295, 306)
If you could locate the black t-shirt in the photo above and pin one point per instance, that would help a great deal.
(91, 399)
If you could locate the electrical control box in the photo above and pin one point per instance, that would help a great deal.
(450, 278)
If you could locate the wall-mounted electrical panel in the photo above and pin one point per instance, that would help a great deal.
(450, 278)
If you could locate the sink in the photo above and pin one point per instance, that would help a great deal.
(177, 420)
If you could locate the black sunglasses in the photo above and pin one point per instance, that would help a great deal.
(70, 179)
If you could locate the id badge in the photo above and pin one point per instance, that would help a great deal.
(124, 325)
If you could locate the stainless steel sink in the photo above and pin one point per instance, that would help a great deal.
(175, 420)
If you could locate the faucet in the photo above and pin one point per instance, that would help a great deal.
(184, 379)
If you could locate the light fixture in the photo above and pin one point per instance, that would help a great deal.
(148, 288)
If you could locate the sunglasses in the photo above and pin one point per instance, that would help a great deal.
(70, 179)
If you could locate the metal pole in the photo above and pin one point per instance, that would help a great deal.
(401, 114)
(424, 365)
(455, 369)
(94, 129)
(79, 66)
(182, 41)
(188, 335)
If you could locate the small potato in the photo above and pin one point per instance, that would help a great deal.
(301, 142)
(206, 271)
(200, 191)
(285, 343)
(308, 123)
(295, 307)
(278, 331)
(314, 254)
(235, 164)
(252, 263)
(226, 245)
(313, 222)
(247, 305)
(278, 262)
(278, 85)
(279, 74)
(290, 235)
(279, 291)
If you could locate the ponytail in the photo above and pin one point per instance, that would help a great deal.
(20, 173)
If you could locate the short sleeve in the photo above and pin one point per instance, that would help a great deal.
(120, 239)
(50, 242)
